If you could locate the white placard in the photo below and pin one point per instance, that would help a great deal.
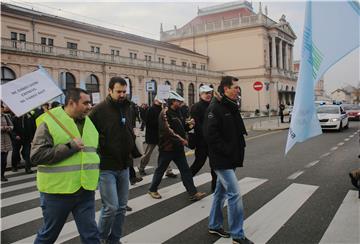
(29, 91)
(135, 99)
(150, 86)
(128, 85)
(163, 92)
(95, 97)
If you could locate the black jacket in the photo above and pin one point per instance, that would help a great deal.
(172, 130)
(114, 123)
(24, 127)
(224, 132)
(152, 124)
(197, 112)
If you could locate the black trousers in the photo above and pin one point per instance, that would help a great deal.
(201, 153)
(3, 162)
(25, 147)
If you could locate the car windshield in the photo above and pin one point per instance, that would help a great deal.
(327, 110)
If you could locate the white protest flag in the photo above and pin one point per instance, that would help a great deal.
(29, 91)
(331, 31)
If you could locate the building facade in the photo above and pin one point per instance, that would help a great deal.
(77, 54)
(248, 45)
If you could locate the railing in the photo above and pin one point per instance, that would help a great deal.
(35, 48)
(217, 26)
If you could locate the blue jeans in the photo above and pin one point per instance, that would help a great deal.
(114, 191)
(57, 207)
(179, 159)
(227, 187)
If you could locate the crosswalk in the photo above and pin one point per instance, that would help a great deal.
(260, 226)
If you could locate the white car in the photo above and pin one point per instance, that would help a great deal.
(332, 117)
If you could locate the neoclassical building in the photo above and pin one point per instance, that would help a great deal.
(224, 39)
(248, 45)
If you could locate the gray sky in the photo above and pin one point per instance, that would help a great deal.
(144, 18)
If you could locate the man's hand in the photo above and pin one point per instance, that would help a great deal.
(79, 143)
(184, 142)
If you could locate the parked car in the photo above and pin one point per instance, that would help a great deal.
(332, 117)
(352, 110)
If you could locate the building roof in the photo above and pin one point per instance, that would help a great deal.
(37, 15)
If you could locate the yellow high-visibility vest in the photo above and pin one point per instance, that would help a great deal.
(79, 170)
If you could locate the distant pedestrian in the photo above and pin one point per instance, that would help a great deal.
(6, 144)
(113, 119)
(197, 112)
(68, 168)
(172, 139)
(152, 136)
(281, 112)
(224, 132)
(134, 111)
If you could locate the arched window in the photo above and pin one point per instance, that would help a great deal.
(129, 87)
(7, 75)
(152, 94)
(201, 85)
(167, 83)
(180, 89)
(191, 94)
(92, 84)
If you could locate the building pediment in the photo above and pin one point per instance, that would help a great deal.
(285, 27)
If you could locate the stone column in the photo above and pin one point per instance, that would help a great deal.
(291, 59)
(286, 56)
(280, 55)
(273, 52)
(267, 52)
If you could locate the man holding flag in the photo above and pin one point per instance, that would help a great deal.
(331, 31)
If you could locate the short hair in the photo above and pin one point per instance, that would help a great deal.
(115, 80)
(74, 94)
(226, 81)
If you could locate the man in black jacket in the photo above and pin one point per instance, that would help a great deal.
(172, 139)
(112, 118)
(201, 150)
(224, 131)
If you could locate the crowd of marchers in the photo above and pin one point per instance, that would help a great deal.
(78, 148)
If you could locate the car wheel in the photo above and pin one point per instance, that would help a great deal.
(340, 127)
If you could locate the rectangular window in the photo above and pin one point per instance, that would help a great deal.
(117, 53)
(43, 40)
(161, 60)
(131, 55)
(135, 55)
(50, 42)
(202, 67)
(13, 36)
(22, 37)
(173, 62)
(92, 49)
(72, 45)
(193, 66)
(147, 58)
(97, 49)
(183, 64)
(112, 52)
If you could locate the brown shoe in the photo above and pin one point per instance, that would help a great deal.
(197, 196)
(154, 194)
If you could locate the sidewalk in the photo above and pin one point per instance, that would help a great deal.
(272, 124)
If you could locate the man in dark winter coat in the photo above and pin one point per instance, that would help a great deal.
(197, 112)
(172, 139)
(224, 131)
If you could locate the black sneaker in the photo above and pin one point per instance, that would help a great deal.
(243, 240)
(128, 208)
(3, 178)
(220, 232)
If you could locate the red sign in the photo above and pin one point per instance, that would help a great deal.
(258, 85)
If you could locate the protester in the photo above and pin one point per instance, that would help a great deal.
(152, 136)
(112, 117)
(23, 134)
(224, 132)
(172, 139)
(281, 112)
(197, 112)
(67, 172)
(6, 144)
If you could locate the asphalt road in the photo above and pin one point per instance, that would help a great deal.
(305, 197)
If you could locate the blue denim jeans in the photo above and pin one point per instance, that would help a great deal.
(179, 159)
(57, 207)
(114, 191)
(227, 187)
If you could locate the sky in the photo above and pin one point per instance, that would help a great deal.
(143, 17)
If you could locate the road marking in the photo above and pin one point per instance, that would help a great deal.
(295, 175)
(69, 230)
(19, 177)
(346, 139)
(344, 227)
(324, 155)
(313, 163)
(340, 144)
(351, 136)
(35, 194)
(191, 152)
(36, 213)
(161, 231)
(265, 222)
(333, 148)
